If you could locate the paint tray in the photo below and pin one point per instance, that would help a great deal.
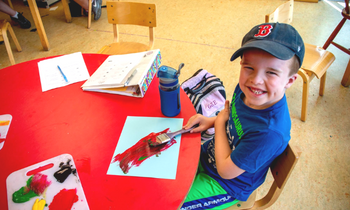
(19, 178)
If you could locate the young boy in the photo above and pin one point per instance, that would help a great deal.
(255, 128)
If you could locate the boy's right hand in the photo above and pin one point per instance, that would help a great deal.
(204, 123)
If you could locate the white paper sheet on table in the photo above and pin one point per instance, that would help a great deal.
(72, 65)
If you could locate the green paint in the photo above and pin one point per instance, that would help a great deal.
(142, 158)
(20, 196)
(24, 194)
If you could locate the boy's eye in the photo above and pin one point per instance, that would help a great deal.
(272, 73)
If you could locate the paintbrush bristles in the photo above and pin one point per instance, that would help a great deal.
(163, 138)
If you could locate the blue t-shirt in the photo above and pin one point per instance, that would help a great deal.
(256, 138)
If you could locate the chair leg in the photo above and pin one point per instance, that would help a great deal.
(334, 34)
(14, 38)
(8, 46)
(322, 84)
(346, 78)
(89, 14)
(7, 27)
(66, 11)
(304, 100)
(306, 82)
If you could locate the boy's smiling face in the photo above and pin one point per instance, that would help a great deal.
(264, 78)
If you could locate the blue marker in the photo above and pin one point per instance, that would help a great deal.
(64, 76)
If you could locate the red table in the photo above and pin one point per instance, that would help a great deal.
(87, 125)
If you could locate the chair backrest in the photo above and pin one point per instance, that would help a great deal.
(282, 14)
(132, 13)
(281, 169)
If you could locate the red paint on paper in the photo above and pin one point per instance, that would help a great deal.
(64, 200)
(141, 151)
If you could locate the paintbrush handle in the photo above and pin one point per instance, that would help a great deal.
(173, 134)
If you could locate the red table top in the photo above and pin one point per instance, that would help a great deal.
(87, 125)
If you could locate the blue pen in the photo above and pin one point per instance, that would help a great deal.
(64, 76)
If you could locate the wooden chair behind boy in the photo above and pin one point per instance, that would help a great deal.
(130, 13)
(316, 60)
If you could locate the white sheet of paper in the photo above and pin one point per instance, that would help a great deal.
(72, 65)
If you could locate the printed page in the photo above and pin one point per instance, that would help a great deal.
(72, 68)
(114, 71)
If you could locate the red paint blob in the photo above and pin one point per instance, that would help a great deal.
(64, 200)
(141, 151)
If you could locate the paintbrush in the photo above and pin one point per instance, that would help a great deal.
(166, 137)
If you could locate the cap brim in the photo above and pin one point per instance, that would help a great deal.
(279, 51)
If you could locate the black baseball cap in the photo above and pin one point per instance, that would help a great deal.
(279, 39)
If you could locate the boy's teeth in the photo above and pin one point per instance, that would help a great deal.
(257, 91)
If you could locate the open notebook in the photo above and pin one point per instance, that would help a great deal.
(129, 74)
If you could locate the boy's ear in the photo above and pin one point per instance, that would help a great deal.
(291, 80)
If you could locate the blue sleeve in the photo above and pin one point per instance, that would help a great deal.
(255, 149)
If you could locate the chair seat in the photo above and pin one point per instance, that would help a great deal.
(317, 60)
(119, 48)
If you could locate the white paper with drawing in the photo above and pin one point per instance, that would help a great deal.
(72, 66)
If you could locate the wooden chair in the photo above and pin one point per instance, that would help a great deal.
(316, 59)
(281, 168)
(130, 13)
(6, 26)
(346, 16)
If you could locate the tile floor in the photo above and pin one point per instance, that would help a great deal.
(204, 34)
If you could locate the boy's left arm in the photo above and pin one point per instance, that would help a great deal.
(225, 166)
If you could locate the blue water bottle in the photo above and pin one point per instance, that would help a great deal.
(169, 89)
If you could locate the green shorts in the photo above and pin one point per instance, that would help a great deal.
(207, 193)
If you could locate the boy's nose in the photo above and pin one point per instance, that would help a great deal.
(256, 79)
